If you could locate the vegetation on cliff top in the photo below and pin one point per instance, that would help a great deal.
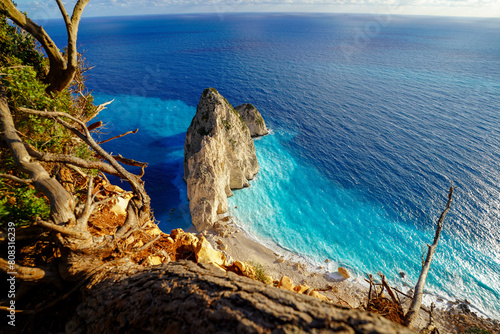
(23, 70)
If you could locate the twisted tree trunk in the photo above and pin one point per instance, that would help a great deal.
(62, 70)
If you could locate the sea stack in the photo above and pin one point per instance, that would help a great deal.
(219, 155)
(253, 119)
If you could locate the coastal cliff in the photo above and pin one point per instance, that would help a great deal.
(219, 155)
(253, 119)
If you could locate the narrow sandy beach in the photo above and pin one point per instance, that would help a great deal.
(240, 246)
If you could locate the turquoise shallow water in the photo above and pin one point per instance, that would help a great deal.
(368, 130)
(299, 209)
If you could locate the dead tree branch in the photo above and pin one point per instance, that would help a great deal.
(87, 209)
(416, 303)
(27, 274)
(16, 179)
(149, 244)
(65, 230)
(389, 289)
(370, 290)
(119, 136)
(130, 162)
(72, 160)
(135, 182)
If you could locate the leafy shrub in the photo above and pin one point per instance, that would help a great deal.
(21, 205)
(23, 69)
(260, 273)
(19, 48)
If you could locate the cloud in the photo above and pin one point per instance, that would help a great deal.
(133, 7)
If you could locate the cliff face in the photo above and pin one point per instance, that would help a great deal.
(253, 119)
(219, 155)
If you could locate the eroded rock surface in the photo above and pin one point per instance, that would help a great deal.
(185, 297)
(219, 155)
(253, 119)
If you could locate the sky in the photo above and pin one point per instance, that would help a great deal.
(46, 9)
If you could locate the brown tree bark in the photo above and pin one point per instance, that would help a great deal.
(184, 297)
(62, 69)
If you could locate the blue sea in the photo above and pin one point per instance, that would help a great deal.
(371, 116)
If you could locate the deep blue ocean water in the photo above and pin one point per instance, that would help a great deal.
(372, 117)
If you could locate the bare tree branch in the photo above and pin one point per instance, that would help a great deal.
(389, 289)
(119, 136)
(109, 199)
(416, 303)
(87, 209)
(72, 160)
(16, 179)
(149, 244)
(130, 162)
(65, 230)
(143, 205)
(130, 222)
(101, 107)
(27, 274)
(370, 290)
(76, 169)
(135, 182)
(64, 13)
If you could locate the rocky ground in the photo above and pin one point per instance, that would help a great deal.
(236, 244)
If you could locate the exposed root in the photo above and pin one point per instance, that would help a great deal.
(387, 309)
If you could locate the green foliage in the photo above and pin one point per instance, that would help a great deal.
(26, 90)
(82, 151)
(226, 124)
(22, 71)
(476, 330)
(21, 205)
(19, 48)
(260, 273)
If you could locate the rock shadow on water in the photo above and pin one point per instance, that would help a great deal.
(166, 197)
(172, 143)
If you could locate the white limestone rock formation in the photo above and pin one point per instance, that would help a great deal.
(219, 155)
(253, 119)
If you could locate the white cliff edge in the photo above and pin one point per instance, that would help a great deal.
(219, 155)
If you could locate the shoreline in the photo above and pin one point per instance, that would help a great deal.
(237, 244)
